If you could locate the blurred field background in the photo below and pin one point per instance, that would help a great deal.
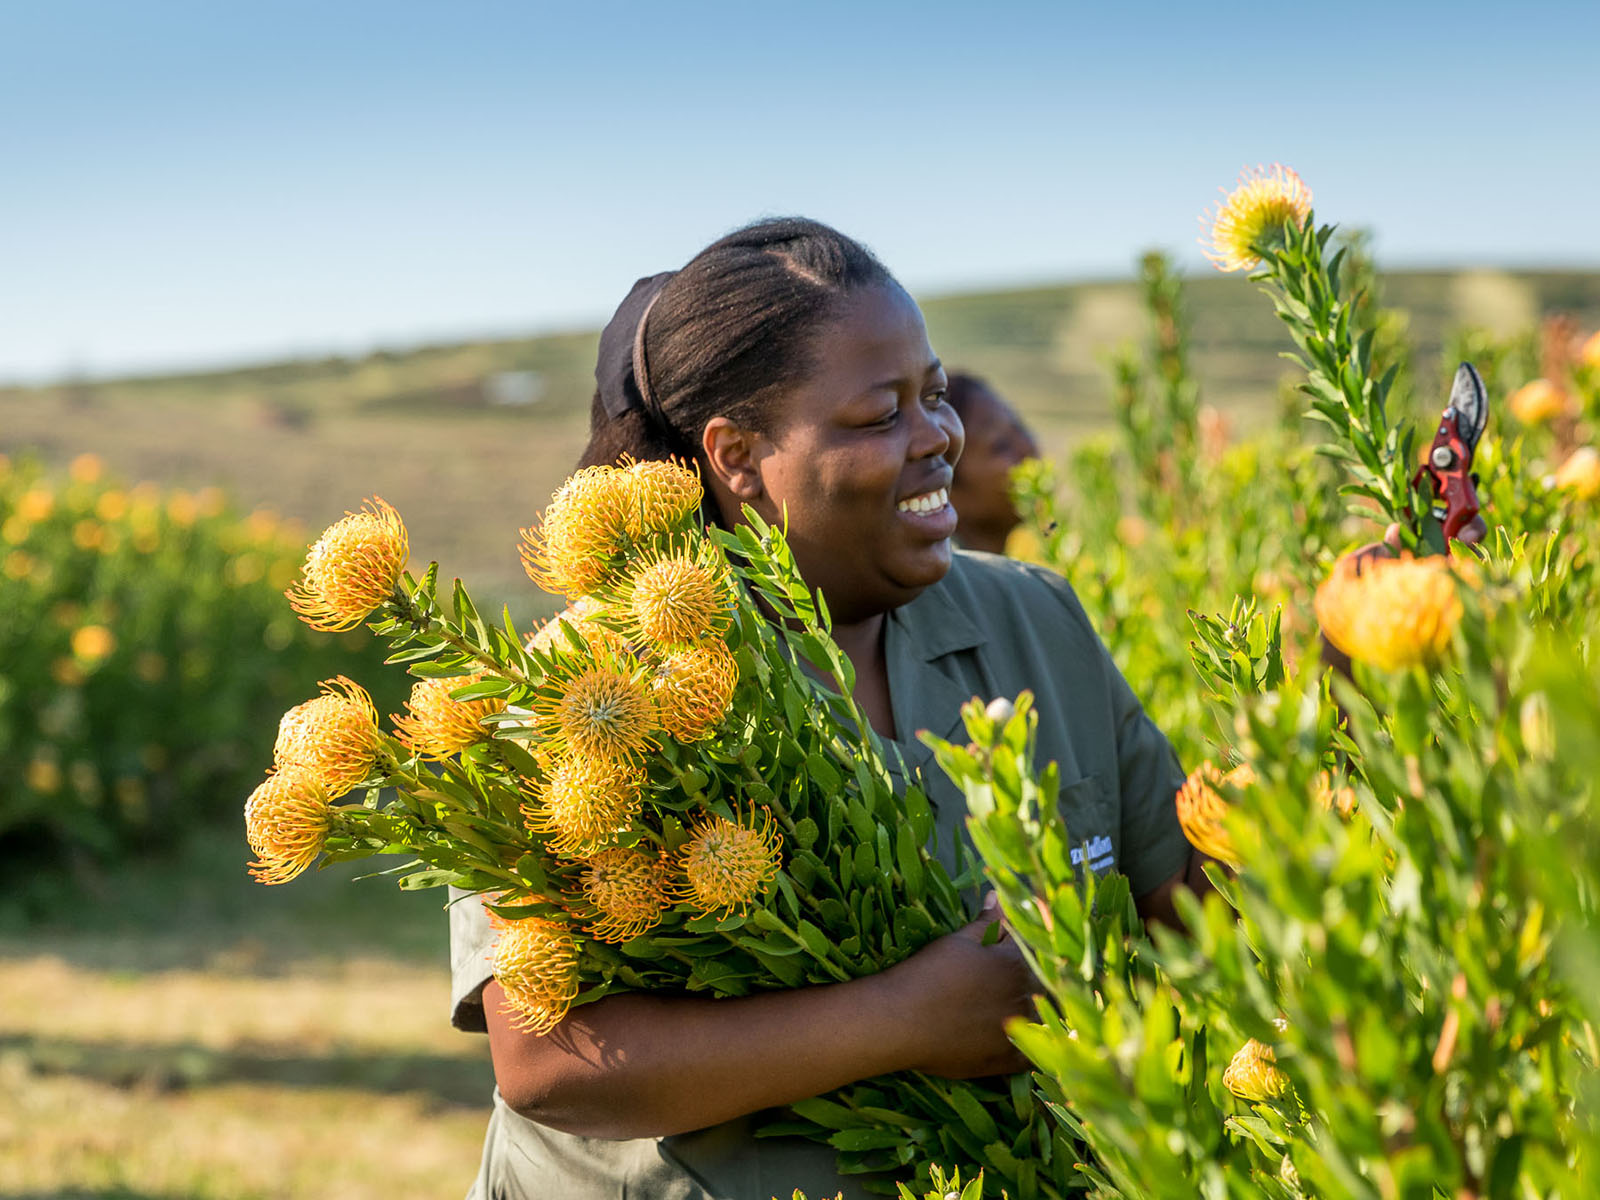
(170, 1030)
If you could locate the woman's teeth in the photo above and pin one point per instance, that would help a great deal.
(925, 503)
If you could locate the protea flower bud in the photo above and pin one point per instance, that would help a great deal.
(1391, 613)
(536, 965)
(628, 889)
(1253, 1074)
(694, 689)
(1202, 809)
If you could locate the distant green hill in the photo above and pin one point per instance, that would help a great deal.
(469, 439)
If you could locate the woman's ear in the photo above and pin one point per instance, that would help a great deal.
(734, 456)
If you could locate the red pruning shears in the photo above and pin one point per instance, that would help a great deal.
(1448, 466)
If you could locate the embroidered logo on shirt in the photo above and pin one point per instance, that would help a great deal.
(1101, 854)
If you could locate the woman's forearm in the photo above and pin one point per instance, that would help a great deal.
(637, 1065)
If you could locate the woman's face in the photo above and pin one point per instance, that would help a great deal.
(997, 441)
(861, 456)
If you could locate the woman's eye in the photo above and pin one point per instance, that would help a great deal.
(888, 418)
(934, 399)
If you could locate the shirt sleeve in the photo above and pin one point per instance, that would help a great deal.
(471, 941)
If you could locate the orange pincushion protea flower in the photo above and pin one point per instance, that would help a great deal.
(675, 597)
(334, 736)
(352, 568)
(1391, 613)
(1537, 402)
(694, 689)
(536, 964)
(1253, 1075)
(1202, 808)
(1341, 799)
(570, 550)
(585, 803)
(726, 864)
(599, 710)
(1255, 214)
(628, 890)
(1589, 352)
(437, 726)
(1580, 474)
(286, 820)
(662, 496)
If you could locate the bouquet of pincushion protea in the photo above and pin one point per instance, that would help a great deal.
(656, 791)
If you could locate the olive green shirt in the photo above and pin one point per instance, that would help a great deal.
(992, 627)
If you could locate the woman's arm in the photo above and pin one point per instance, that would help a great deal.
(1157, 904)
(638, 1065)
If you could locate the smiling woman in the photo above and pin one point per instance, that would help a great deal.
(788, 365)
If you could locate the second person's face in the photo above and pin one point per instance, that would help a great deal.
(861, 458)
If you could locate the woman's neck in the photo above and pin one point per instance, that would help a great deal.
(862, 643)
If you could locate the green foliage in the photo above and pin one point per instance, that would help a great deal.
(145, 657)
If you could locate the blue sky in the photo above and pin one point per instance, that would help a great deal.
(194, 183)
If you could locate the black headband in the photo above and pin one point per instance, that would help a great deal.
(621, 370)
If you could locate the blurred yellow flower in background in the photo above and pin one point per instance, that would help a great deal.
(86, 468)
(436, 725)
(585, 803)
(1253, 1075)
(286, 820)
(693, 690)
(43, 775)
(628, 889)
(1589, 352)
(36, 505)
(726, 864)
(1580, 474)
(93, 643)
(1537, 402)
(352, 568)
(1263, 203)
(1390, 613)
(334, 736)
(1202, 808)
(536, 965)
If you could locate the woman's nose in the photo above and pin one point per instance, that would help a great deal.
(939, 432)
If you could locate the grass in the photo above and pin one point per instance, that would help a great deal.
(170, 1029)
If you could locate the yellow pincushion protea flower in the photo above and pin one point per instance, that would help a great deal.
(286, 820)
(1537, 402)
(1202, 808)
(570, 550)
(585, 803)
(435, 725)
(352, 568)
(1255, 214)
(334, 736)
(1580, 474)
(694, 689)
(627, 889)
(598, 710)
(674, 597)
(662, 496)
(1391, 613)
(726, 864)
(1253, 1074)
(536, 964)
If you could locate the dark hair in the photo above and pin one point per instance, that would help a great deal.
(730, 331)
(962, 388)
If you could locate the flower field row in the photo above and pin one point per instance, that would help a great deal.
(152, 642)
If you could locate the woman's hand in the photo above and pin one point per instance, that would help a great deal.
(956, 995)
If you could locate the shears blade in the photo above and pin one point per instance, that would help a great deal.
(1471, 402)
